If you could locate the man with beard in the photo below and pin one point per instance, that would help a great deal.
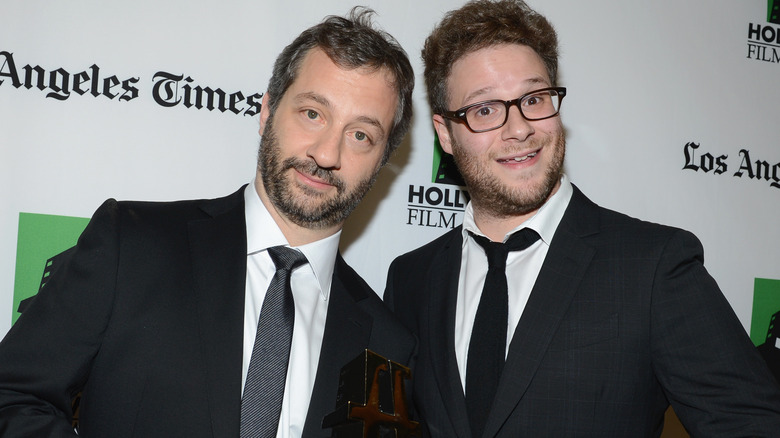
(180, 319)
(583, 322)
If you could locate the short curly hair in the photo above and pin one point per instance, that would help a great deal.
(351, 42)
(480, 24)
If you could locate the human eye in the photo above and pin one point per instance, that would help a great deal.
(536, 99)
(363, 138)
(485, 110)
(311, 118)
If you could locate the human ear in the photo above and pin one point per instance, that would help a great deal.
(440, 125)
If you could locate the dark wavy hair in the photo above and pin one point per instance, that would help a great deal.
(480, 24)
(350, 42)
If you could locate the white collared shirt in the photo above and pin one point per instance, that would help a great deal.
(310, 285)
(522, 268)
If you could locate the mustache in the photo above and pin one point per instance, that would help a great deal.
(530, 146)
(309, 167)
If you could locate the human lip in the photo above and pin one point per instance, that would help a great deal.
(313, 180)
(519, 158)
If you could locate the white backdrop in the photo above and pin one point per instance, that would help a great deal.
(644, 79)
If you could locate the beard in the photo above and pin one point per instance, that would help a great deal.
(493, 196)
(311, 209)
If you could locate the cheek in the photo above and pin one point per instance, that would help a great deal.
(474, 145)
(293, 142)
(360, 167)
(553, 129)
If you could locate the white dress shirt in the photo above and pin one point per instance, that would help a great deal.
(310, 285)
(522, 268)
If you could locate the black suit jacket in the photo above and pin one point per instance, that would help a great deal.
(622, 320)
(146, 318)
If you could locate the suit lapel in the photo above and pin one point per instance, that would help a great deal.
(218, 250)
(347, 333)
(442, 283)
(558, 281)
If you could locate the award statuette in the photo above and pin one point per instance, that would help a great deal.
(371, 402)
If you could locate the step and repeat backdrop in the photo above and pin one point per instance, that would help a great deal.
(671, 116)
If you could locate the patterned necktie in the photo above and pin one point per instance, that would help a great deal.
(487, 347)
(261, 404)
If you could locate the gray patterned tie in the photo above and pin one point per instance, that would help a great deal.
(264, 389)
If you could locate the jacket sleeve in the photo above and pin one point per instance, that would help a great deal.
(712, 374)
(46, 356)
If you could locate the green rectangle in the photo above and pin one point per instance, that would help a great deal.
(766, 302)
(41, 237)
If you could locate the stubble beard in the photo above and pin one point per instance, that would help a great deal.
(492, 196)
(312, 209)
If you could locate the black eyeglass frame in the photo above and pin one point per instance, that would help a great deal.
(459, 115)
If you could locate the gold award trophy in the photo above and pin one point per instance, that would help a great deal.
(371, 401)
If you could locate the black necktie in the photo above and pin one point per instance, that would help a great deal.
(487, 347)
(264, 388)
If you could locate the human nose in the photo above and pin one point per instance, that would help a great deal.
(326, 151)
(516, 126)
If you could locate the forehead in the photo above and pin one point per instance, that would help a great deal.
(354, 92)
(496, 72)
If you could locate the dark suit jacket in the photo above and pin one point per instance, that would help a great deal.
(147, 317)
(622, 320)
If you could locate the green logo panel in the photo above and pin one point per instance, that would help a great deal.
(41, 237)
(766, 303)
(444, 169)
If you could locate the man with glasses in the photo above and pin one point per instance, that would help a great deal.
(583, 322)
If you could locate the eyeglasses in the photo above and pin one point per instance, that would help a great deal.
(493, 114)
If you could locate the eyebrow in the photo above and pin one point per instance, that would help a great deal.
(373, 122)
(482, 91)
(322, 100)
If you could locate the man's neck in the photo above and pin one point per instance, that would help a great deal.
(495, 227)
